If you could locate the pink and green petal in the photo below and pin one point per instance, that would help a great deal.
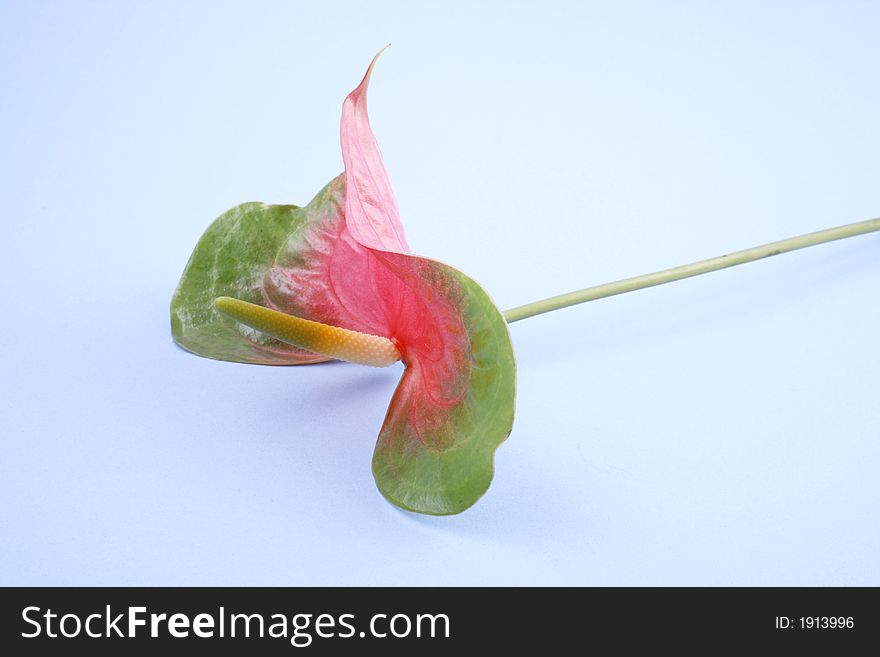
(343, 261)
(455, 402)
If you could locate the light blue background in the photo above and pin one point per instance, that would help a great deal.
(722, 430)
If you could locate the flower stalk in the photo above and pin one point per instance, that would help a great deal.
(692, 269)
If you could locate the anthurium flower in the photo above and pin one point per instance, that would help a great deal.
(284, 285)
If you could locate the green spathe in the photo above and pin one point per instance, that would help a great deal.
(455, 469)
(430, 458)
(231, 260)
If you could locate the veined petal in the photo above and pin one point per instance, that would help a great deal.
(231, 259)
(455, 402)
(343, 261)
(370, 207)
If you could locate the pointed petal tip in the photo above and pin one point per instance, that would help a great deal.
(369, 72)
(379, 54)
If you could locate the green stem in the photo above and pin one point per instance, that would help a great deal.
(693, 269)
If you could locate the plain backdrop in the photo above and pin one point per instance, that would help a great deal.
(717, 431)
